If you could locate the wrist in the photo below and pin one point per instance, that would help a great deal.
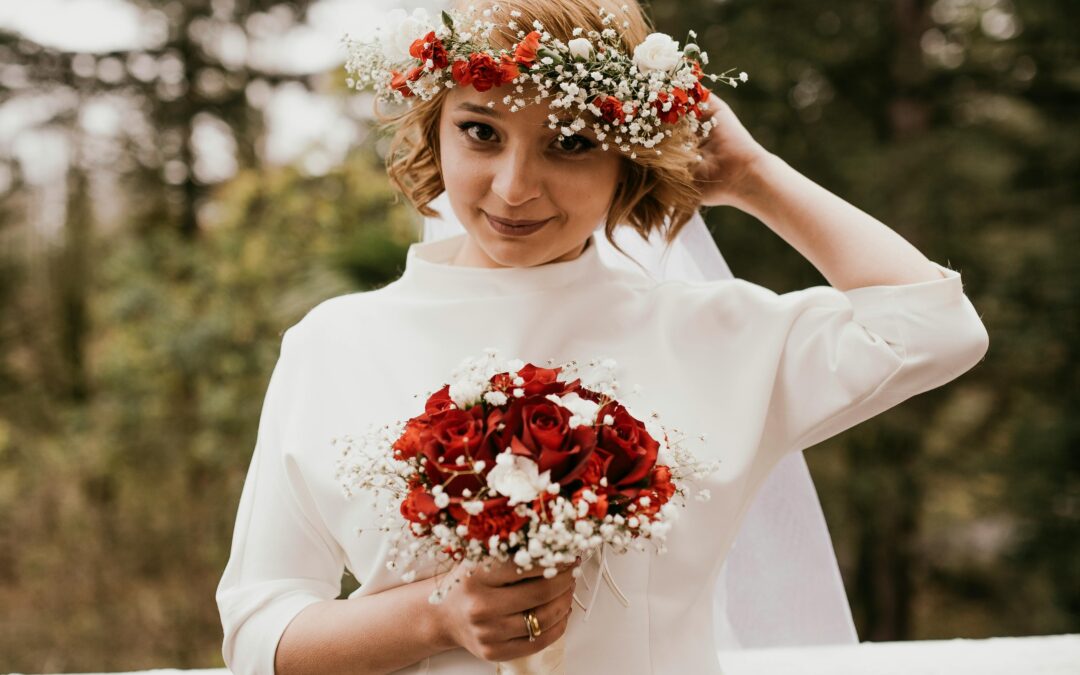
(439, 630)
(752, 192)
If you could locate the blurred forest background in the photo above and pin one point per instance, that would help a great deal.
(143, 294)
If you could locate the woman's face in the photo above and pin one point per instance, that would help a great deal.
(504, 165)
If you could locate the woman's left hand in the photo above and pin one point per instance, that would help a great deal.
(729, 154)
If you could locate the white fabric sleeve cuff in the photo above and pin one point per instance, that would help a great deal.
(252, 643)
(283, 558)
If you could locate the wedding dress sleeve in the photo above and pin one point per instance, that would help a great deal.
(850, 355)
(283, 558)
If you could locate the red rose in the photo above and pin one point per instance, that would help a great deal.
(508, 69)
(429, 47)
(460, 73)
(661, 482)
(540, 381)
(419, 506)
(538, 429)
(525, 51)
(678, 99)
(398, 83)
(449, 435)
(484, 72)
(535, 381)
(611, 109)
(497, 518)
(595, 469)
(658, 493)
(439, 401)
(699, 92)
(597, 509)
(632, 450)
(411, 441)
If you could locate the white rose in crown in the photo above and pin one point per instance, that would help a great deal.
(580, 48)
(397, 33)
(657, 53)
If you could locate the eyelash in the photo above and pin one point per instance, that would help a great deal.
(584, 144)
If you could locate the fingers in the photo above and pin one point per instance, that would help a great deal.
(549, 615)
(495, 614)
(535, 592)
(507, 573)
(504, 650)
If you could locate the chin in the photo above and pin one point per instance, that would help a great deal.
(511, 253)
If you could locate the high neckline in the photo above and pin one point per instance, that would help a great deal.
(428, 266)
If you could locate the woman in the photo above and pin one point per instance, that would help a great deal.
(759, 375)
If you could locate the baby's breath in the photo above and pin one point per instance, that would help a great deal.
(367, 465)
(566, 77)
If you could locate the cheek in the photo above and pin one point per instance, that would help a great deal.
(462, 173)
(588, 187)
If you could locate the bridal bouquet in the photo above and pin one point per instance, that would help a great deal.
(511, 461)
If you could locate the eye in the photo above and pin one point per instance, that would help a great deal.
(579, 144)
(466, 127)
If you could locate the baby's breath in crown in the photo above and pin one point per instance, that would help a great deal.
(635, 100)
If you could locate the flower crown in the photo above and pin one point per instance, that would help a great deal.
(636, 100)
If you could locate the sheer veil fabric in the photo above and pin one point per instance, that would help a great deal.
(780, 585)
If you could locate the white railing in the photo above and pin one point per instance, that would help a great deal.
(1042, 655)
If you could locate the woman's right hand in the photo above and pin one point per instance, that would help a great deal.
(483, 612)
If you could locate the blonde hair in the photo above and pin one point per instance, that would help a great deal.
(655, 188)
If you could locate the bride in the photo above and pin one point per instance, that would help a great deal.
(562, 240)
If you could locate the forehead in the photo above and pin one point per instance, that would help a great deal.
(467, 100)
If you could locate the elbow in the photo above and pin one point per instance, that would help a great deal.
(981, 342)
(230, 654)
(241, 646)
(969, 342)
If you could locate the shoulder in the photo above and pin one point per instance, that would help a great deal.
(739, 299)
(339, 316)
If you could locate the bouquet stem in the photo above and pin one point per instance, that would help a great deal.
(547, 661)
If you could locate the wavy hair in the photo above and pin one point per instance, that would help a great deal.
(655, 189)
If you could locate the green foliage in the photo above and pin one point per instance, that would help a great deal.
(128, 498)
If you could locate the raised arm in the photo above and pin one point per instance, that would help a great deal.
(849, 247)
(892, 323)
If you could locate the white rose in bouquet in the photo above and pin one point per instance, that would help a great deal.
(518, 478)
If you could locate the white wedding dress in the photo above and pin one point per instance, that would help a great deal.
(762, 375)
(780, 585)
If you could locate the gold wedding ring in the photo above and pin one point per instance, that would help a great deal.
(532, 624)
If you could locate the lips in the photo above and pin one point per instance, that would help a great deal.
(514, 223)
(506, 229)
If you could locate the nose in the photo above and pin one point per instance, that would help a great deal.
(517, 178)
